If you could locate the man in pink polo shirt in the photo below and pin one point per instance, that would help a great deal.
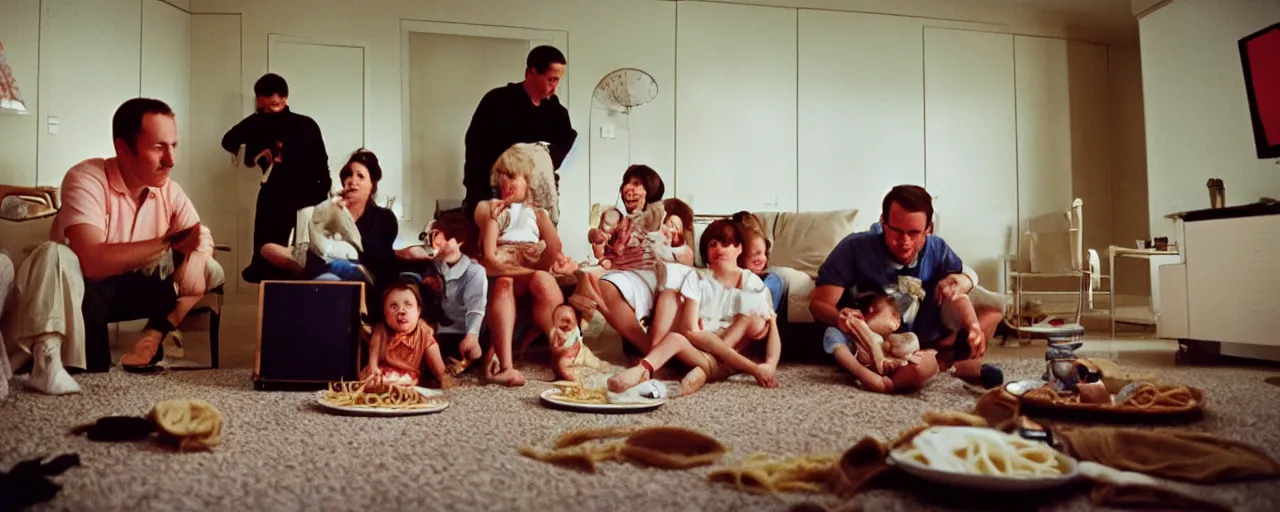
(127, 243)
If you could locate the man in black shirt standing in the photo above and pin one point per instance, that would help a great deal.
(289, 150)
(527, 111)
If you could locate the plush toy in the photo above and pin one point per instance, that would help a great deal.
(328, 230)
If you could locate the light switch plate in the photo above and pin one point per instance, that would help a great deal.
(608, 132)
(53, 125)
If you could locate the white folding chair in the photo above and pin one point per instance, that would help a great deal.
(1052, 246)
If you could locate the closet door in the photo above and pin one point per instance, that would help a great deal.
(735, 107)
(1064, 149)
(971, 157)
(861, 110)
(327, 81)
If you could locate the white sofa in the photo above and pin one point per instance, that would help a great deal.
(800, 243)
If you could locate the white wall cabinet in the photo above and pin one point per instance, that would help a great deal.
(1063, 144)
(861, 110)
(1092, 176)
(971, 163)
(1230, 271)
(735, 107)
(1044, 100)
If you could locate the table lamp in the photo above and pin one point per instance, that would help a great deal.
(10, 97)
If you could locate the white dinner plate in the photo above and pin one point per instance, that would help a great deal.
(898, 458)
(551, 397)
(1020, 387)
(366, 410)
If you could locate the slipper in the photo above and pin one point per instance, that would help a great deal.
(136, 361)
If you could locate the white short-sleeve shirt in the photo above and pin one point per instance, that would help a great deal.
(718, 304)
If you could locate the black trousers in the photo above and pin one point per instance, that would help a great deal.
(450, 344)
(275, 218)
(119, 299)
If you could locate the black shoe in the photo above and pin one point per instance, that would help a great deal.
(251, 274)
(991, 376)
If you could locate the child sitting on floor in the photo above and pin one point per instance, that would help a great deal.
(677, 228)
(401, 342)
(755, 256)
(451, 243)
(574, 361)
(722, 309)
(867, 335)
(879, 346)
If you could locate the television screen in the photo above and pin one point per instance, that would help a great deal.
(1260, 57)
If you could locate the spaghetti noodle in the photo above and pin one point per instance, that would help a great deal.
(1148, 395)
(576, 392)
(360, 394)
(1145, 396)
(764, 474)
(979, 451)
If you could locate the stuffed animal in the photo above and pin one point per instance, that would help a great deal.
(329, 231)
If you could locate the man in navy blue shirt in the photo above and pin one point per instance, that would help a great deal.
(901, 259)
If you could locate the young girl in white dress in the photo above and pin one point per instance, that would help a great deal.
(723, 308)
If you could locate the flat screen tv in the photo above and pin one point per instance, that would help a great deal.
(1260, 58)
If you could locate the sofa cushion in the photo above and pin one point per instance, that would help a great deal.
(802, 241)
(799, 287)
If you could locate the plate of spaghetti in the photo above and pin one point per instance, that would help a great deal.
(983, 458)
(367, 400)
(1137, 402)
(575, 397)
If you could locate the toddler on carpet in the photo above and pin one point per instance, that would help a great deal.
(402, 341)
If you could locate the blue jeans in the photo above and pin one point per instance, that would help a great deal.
(775, 285)
(343, 270)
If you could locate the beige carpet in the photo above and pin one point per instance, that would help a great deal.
(281, 453)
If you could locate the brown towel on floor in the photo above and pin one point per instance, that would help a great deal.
(858, 466)
(663, 447)
(1146, 496)
(865, 463)
(672, 448)
(1173, 454)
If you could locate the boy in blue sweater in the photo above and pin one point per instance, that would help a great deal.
(461, 282)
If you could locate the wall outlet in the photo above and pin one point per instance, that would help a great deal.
(608, 132)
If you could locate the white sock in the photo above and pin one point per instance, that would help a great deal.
(47, 374)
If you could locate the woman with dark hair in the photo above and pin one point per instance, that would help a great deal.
(377, 226)
(626, 257)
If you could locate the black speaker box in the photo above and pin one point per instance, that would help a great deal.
(308, 334)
